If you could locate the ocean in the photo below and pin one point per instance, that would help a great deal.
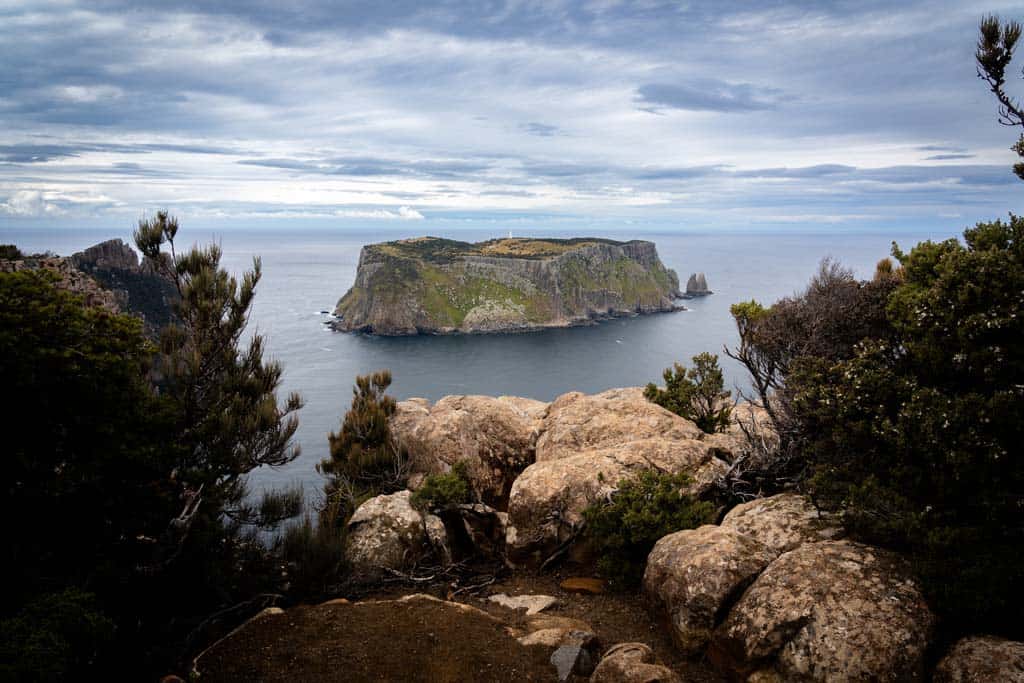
(307, 271)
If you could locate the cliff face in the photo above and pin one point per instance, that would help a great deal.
(434, 286)
(109, 275)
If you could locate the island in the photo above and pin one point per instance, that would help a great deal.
(430, 285)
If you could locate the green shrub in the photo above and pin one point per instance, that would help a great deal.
(10, 252)
(624, 530)
(53, 637)
(314, 556)
(365, 460)
(444, 490)
(695, 394)
(917, 439)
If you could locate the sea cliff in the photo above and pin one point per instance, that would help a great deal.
(430, 285)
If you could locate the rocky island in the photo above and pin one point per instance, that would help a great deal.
(430, 285)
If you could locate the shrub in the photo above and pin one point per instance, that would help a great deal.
(10, 252)
(695, 394)
(917, 439)
(444, 490)
(365, 459)
(313, 554)
(624, 529)
(53, 637)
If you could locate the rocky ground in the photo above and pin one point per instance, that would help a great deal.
(771, 593)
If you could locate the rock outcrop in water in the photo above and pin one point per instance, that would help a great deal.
(430, 285)
(697, 285)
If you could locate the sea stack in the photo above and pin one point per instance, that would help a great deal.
(697, 285)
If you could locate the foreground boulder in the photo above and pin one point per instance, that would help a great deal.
(577, 422)
(495, 437)
(978, 659)
(547, 501)
(387, 532)
(632, 663)
(692, 574)
(745, 418)
(828, 611)
(782, 522)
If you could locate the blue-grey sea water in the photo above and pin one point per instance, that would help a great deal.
(305, 272)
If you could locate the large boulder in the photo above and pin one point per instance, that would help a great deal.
(547, 501)
(979, 659)
(495, 437)
(632, 663)
(388, 532)
(828, 611)
(577, 422)
(692, 574)
(782, 522)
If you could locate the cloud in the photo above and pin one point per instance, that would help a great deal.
(707, 94)
(29, 203)
(947, 157)
(541, 129)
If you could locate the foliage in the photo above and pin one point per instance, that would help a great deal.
(624, 530)
(365, 459)
(916, 437)
(88, 453)
(53, 635)
(126, 462)
(10, 252)
(444, 490)
(229, 420)
(995, 52)
(314, 554)
(695, 394)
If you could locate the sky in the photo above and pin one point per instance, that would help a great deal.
(519, 115)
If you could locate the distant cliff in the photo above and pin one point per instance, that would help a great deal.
(697, 285)
(430, 285)
(108, 275)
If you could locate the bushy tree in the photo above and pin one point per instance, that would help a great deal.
(365, 459)
(993, 56)
(624, 529)
(695, 393)
(917, 437)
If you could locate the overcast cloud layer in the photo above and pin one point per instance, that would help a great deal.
(521, 114)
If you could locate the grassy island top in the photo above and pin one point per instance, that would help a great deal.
(440, 249)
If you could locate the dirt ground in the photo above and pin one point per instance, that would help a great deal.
(425, 641)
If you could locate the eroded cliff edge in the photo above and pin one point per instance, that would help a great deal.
(430, 285)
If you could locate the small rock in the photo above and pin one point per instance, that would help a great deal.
(576, 655)
(978, 659)
(632, 663)
(531, 603)
(578, 584)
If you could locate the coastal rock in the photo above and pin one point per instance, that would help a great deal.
(429, 285)
(632, 663)
(140, 287)
(495, 437)
(69, 278)
(691, 574)
(697, 285)
(474, 530)
(979, 659)
(547, 500)
(826, 611)
(577, 421)
(782, 522)
(386, 532)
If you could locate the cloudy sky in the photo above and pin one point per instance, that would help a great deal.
(550, 113)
